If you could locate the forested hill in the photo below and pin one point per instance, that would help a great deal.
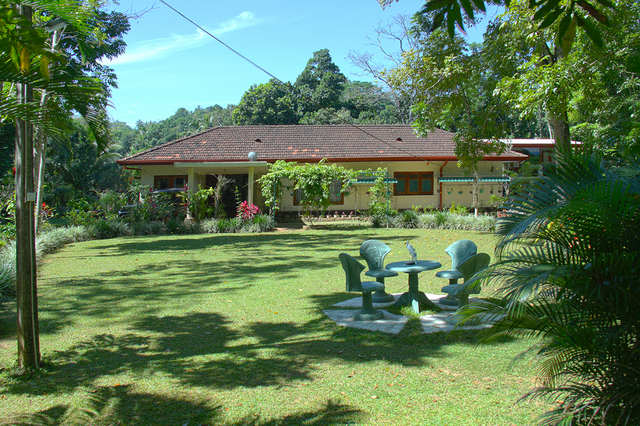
(180, 124)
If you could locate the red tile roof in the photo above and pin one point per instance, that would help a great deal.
(306, 143)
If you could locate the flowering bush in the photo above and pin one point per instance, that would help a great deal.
(47, 211)
(247, 211)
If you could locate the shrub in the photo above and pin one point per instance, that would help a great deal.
(250, 228)
(485, 223)
(428, 220)
(458, 209)
(109, 229)
(7, 215)
(247, 211)
(110, 202)
(46, 242)
(228, 226)
(209, 226)
(233, 225)
(259, 223)
(442, 218)
(50, 241)
(222, 225)
(458, 221)
(79, 217)
(8, 270)
(147, 228)
(182, 227)
(198, 203)
(406, 219)
(378, 221)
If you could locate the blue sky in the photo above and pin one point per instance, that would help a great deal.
(170, 63)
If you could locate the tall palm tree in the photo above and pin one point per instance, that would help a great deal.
(28, 63)
(568, 276)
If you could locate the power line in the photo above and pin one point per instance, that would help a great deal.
(221, 42)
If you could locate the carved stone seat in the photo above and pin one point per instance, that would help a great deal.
(353, 269)
(374, 252)
(459, 251)
(468, 269)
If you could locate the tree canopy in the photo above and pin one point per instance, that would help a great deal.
(270, 103)
(320, 95)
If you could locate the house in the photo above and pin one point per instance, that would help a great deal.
(422, 171)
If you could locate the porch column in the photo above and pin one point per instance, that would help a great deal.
(250, 186)
(193, 185)
(252, 157)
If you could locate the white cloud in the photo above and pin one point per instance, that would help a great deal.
(160, 48)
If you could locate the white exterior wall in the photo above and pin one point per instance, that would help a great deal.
(358, 197)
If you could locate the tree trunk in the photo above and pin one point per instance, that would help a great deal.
(40, 159)
(561, 133)
(26, 285)
(475, 193)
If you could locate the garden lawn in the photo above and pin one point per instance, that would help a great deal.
(228, 329)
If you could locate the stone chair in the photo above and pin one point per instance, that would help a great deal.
(459, 251)
(353, 269)
(373, 252)
(468, 269)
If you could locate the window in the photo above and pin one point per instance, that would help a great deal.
(335, 196)
(531, 152)
(414, 183)
(166, 182)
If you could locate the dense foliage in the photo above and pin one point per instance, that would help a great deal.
(568, 276)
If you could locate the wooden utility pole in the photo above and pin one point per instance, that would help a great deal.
(26, 285)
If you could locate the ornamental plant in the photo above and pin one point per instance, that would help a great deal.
(246, 211)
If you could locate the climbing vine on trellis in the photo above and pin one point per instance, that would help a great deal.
(313, 180)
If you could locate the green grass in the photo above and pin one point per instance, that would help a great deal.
(228, 330)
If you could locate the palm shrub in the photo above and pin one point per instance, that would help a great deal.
(209, 226)
(442, 218)
(147, 228)
(568, 276)
(109, 228)
(8, 270)
(406, 219)
(427, 221)
(261, 223)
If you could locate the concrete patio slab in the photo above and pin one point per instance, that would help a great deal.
(393, 324)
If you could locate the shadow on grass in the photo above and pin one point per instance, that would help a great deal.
(131, 290)
(202, 350)
(304, 240)
(7, 317)
(205, 349)
(118, 405)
